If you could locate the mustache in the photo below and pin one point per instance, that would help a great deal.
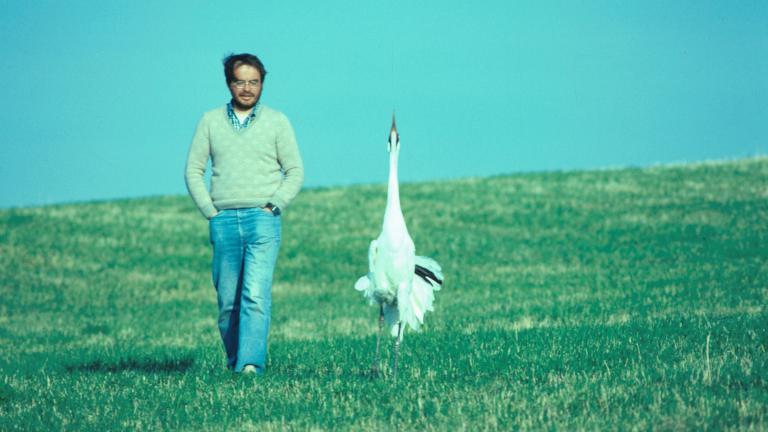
(246, 94)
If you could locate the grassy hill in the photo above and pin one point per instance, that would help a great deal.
(621, 299)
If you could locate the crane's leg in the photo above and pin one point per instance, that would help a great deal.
(397, 346)
(377, 358)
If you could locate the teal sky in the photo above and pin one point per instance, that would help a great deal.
(100, 101)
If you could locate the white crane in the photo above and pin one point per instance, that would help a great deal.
(398, 280)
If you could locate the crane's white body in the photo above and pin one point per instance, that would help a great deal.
(391, 281)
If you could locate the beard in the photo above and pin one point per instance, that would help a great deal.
(243, 106)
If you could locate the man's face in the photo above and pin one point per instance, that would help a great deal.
(246, 87)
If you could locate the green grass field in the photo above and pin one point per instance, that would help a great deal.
(629, 299)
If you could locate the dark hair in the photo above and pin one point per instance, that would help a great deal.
(234, 60)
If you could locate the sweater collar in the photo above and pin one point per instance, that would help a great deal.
(236, 121)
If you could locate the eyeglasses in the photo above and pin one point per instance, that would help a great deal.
(240, 84)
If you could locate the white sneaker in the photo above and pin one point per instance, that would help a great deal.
(249, 370)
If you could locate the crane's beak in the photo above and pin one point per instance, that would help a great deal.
(394, 137)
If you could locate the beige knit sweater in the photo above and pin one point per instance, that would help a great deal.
(249, 168)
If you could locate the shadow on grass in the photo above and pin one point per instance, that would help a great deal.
(135, 365)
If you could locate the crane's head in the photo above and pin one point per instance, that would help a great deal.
(394, 137)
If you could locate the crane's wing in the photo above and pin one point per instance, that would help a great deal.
(429, 271)
(365, 283)
(373, 252)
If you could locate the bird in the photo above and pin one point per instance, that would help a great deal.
(400, 282)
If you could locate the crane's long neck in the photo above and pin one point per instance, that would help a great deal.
(394, 223)
(393, 191)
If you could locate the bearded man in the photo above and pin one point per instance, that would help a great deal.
(256, 171)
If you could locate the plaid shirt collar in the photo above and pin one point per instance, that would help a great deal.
(235, 121)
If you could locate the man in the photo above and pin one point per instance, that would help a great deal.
(256, 172)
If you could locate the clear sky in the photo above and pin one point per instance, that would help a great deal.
(100, 99)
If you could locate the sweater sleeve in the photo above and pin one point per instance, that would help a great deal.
(290, 161)
(194, 176)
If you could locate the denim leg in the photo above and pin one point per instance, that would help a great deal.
(262, 234)
(227, 278)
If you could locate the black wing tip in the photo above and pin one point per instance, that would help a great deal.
(427, 274)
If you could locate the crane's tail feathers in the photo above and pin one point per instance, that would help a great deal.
(416, 298)
(414, 301)
(429, 271)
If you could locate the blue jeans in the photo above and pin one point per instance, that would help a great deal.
(245, 245)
